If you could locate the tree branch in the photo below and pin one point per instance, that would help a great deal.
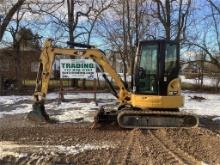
(9, 16)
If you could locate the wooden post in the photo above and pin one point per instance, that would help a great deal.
(1, 85)
(98, 80)
(95, 91)
(61, 94)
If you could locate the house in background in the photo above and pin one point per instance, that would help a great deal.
(29, 62)
(193, 69)
(199, 65)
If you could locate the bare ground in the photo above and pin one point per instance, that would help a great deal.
(24, 142)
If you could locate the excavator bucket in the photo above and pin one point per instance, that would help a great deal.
(38, 113)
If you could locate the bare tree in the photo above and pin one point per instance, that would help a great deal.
(173, 16)
(9, 16)
(100, 8)
(14, 30)
(200, 39)
(21, 37)
(67, 15)
(73, 19)
(213, 4)
(122, 30)
(212, 49)
(126, 31)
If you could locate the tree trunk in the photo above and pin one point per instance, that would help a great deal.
(125, 51)
(129, 57)
(1, 85)
(168, 22)
(71, 6)
(18, 67)
(217, 84)
(61, 91)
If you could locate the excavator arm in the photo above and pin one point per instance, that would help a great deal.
(47, 58)
(45, 69)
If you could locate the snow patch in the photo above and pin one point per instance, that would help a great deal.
(9, 100)
(80, 148)
(78, 112)
(11, 153)
(207, 81)
(75, 112)
(25, 109)
(216, 119)
(208, 107)
(8, 148)
(74, 116)
(55, 95)
(75, 105)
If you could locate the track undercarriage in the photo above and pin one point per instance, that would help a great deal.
(130, 118)
(147, 119)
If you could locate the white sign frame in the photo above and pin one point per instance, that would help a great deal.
(77, 69)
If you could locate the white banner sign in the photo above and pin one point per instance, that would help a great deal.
(77, 68)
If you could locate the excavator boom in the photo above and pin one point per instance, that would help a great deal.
(47, 58)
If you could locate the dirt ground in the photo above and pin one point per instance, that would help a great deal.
(24, 142)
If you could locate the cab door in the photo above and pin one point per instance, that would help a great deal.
(156, 64)
(146, 76)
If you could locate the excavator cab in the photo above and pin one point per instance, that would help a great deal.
(156, 64)
(156, 96)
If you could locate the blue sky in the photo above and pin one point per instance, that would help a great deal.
(48, 31)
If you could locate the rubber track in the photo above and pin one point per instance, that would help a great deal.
(158, 112)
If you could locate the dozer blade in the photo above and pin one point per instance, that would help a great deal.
(156, 119)
(103, 116)
(38, 113)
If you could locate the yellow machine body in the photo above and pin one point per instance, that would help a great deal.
(156, 102)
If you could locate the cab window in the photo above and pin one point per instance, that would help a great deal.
(147, 70)
(170, 58)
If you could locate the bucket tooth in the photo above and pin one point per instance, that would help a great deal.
(38, 113)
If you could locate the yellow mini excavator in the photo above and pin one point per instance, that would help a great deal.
(155, 96)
